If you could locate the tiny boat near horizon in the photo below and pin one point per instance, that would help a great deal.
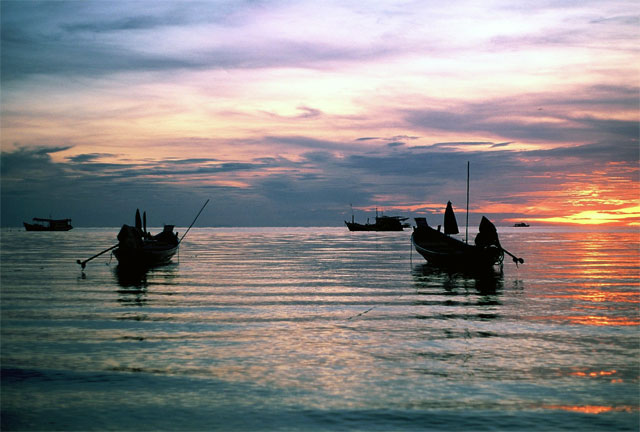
(42, 224)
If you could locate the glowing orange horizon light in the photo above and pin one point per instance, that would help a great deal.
(629, 216)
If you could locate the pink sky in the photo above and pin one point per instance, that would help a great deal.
(297, 109)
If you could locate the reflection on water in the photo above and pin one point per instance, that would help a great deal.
(134, 283)
(487, 282)
(135, 278)
(320, 329)
(593, 276)
(133, 296)
(467, 296)
(141, 277)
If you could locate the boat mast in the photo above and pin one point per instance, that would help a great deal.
(466, 230)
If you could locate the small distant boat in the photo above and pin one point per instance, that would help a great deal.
(382, 223)
(521, 225)
(41, 224)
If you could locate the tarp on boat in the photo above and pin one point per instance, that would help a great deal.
(488, 234)
(450, 223)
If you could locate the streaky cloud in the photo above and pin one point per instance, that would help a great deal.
(462, 144)
(88, 157)
(551, 122)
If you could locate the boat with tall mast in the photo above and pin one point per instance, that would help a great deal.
(441, 249)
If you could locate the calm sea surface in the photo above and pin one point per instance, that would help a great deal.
(320, 329)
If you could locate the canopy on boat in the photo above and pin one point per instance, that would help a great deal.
(450, 223)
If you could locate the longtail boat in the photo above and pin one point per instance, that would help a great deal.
(441, 249)
(137, 249)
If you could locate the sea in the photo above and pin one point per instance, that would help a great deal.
(320, 329)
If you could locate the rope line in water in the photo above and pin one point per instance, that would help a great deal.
(373, 307)
(362, 313)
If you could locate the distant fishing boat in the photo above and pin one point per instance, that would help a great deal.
(382, 223)
(440, 249)
(521, 225)
(137, 249)
(41, 224)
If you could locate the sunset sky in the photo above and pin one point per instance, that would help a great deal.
(286, 112)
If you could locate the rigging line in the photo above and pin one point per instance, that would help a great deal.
(466, 230)
(375, 306)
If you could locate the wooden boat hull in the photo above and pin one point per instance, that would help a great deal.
(354, 226)
(146, 256)
(444, 251)
(38, 227)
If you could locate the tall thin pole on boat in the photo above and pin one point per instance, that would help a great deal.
(466, 230)
(194, 221)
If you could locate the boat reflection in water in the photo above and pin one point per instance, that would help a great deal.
(133, 278)
(134, 284)
(430, 277)
(141, 278)
(437, 282)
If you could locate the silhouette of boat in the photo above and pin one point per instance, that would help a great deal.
(440, 249)
(382, 223)
(41, 224)
(521, 225)
(139, 249)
